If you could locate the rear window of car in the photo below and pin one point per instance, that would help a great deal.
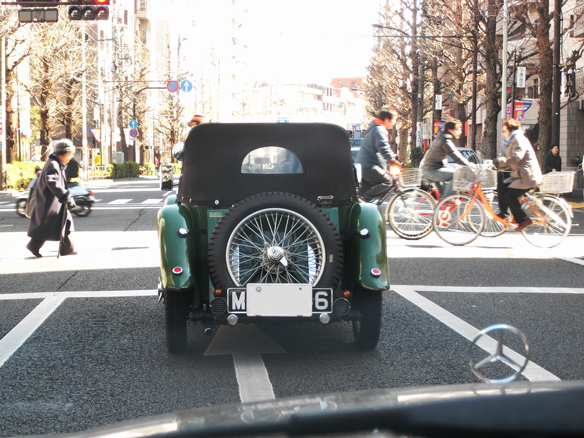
(271, 160)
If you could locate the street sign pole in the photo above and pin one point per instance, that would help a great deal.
(84, 104)
(3, 109)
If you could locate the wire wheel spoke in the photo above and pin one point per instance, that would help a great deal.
(458, 219)
(551, 221)
(275, 246)
(410, 213)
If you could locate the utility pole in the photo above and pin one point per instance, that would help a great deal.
(84, 102)
(473, 143)
(556, 77)
(513, 86)
(504, 65)
(3, 110)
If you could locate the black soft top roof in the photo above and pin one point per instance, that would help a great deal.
(214, 153)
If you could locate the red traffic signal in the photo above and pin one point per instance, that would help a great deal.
(90, 2)
(89, 12)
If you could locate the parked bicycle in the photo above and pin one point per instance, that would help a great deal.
(460, 218)
(409, 209)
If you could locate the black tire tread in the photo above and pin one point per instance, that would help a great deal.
(370, 306)
(175, 320)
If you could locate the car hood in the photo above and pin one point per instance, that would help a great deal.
(518, 404)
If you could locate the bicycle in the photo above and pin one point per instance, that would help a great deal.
(459, 219)
(409, 209)
(492, 228)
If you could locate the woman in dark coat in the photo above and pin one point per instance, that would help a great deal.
(46, 221)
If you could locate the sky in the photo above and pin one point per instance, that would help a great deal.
(310, 40)
(299, 41)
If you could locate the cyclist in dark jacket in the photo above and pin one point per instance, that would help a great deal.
(433, 168)
(553, 161)
(374, 154)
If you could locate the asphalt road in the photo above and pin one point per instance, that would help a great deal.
(82, 338)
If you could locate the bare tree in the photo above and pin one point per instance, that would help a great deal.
(16, 51)
(536, 16)
(55, 79)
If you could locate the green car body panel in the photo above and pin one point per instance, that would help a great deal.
(176, 251)
(362, 254)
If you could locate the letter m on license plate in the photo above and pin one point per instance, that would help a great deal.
(320, 300)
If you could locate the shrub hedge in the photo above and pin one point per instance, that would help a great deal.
(19, 174)
(128, 169)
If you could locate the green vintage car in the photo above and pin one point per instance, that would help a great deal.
(266, 226)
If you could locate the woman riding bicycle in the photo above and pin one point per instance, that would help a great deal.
(525, 172)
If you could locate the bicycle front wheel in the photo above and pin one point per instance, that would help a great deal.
(551, 221)
(458, 219)
(409, 214)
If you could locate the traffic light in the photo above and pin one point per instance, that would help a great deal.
(36, 3)
(89, 10)
(38, 15)
(570, 90)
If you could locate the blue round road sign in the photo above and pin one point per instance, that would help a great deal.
(186, 86)
(133, 132)
(172, 86)
(133, 124)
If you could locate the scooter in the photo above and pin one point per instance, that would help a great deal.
(83, 198)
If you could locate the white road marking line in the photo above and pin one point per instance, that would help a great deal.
(10, 343)
(80, 294)
(532, 372)
(129, 189)
(247, 343)
(126, 207)
(120, 201)
(152, 201)
(503, 290)
(16, 337)
(572, 260)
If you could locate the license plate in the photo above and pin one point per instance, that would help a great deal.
(285, 300)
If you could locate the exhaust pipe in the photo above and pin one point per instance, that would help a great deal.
(209, 330)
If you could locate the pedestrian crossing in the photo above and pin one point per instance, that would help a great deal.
(123, 201)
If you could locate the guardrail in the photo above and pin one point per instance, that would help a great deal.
(97, 172)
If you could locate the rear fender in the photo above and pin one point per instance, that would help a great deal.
(368, 251)
(175, 251)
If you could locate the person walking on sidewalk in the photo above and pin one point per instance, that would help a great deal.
(553, 161)
(47, 221)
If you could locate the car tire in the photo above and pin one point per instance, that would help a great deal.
(322, 250)
(367, 328)
(175, 321)
(21, 207)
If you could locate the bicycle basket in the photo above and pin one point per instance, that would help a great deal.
(557, 182)
(488, 178)
(464, 178)
(410, 177)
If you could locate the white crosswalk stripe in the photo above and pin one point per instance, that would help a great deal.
(120, 201)
(152, 201)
